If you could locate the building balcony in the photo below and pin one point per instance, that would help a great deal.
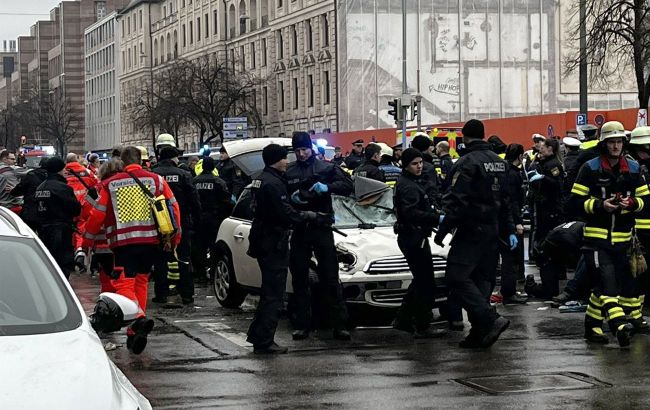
(164, 22)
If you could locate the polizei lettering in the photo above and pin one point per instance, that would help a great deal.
(495, 166)
(205, 186)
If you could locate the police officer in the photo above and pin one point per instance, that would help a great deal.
(177, 276)
(27, 189)
(422, 143)
(57, 207)
(370, 166)
(608, 194)
(391, 171)
(476, 205)
(545, 183)
(397, 153)
(338, 156)
(442, 151)
(416, 219)
(235, 179)
(356, 156)
(571, 167)
(311, 184)
(215, 207)
(269, 244)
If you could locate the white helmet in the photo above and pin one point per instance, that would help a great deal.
(112, 312)
(385, 149)
(165, 139)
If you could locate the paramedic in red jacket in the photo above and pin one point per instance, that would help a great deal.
(124, 211)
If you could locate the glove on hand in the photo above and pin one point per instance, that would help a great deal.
(513, 241)
(295, 198)
(319, 188)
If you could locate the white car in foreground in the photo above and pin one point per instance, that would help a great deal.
(50, 357)
(372, 269)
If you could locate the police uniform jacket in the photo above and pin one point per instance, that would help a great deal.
(353, 160)
(515, 189)
(477, 202)
(302, 175)
(370, 169)
(445, 165)
(213, 195)
(27, 189)
(56, 202)
(547, 191)
(431, 179)
(598, 181)
(180, 182)
(413, 206)
(571, 169)
(235, 179)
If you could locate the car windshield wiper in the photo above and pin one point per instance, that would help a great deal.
(347, 208)
(366, 226)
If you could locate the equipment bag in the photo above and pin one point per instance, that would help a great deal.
(165, 223)
(638, 263)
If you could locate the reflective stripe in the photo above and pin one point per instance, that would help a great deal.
(595, 301)
(595, 313)
(621, 236)
(625, 302)
(636, 314)
(593, 232)
(579, 189)
(615, 315)
(642, 224)
(641, 204)
(608, 299)
(88, 235)
(136, 234)
(589, 205)
(172, 201)
(597, 330)
(642, 191)
(99, 207)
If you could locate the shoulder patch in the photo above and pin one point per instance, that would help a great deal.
(256, 183)
(594, 164)
(555, 171)
(634, 166)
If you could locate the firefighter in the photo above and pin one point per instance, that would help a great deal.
(132, 234)
(416, 219)
(27, 189)
(311, 184)
(356, 156)
(545, 187)
(607, 194)
(177, 279)
(369, 168)
(215, 207)
(235, 179)
(477, 206)
(57, 206)
(82, 181)
(391, 171)
(269, 244)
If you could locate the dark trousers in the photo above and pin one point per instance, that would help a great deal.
(471, 270)
(206, 235)
(185, 283)
(418, 302)
(320, 243)
(510, 266)
(274, 281)
(57, 238)
(579, 286)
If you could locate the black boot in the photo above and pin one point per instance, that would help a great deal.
(273, 348)
(499, 326)
(596, 335)
(138, 340)
(300, 334)
(624, 334)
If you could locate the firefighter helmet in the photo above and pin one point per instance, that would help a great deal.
(640, 136)
(144, 154)
(112, 312)
(165, 139)
(612, 129)
(385, 149)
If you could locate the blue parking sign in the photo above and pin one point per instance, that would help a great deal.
(581, 119)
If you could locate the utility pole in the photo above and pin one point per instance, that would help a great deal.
(404, 85)
(583, 57)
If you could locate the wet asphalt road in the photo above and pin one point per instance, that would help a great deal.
(197, 358)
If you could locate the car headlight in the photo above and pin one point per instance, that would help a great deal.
(346, 259)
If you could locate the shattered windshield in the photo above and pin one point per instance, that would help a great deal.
(348, 213)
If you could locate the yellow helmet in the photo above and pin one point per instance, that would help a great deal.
(165, 139)
(612, 129)
(640, 136)
(144, 154)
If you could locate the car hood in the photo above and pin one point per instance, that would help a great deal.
(380, 242)
(66, 370)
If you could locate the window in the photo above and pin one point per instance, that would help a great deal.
(243, 58)
(184, 36)
(215, 31)
(263, 50)
(310, 90)
(164, 11)
(134, 24)
(279, 3)
(128, 24)
(140, 18)
(207, 26)
(191, 32)
(123, 61)
(123, 28)
(252, 55)
(308, 36)
(279, 42)
(295, 93)
(294, 40)
(326, 87)
(198, 29)
(325, 30)
(232, 59)
(265, 100)
(281, 95)
(100, 9)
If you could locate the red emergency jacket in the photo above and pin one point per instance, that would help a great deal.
(123, 209)
(75, 183)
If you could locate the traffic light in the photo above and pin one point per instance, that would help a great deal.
(396, 109)
(415, 109)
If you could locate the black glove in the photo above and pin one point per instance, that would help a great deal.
(325, 219)
(310, 216)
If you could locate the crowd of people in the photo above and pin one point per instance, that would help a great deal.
(585, 201)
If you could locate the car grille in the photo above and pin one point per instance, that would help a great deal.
(397, 264)
(388, 297)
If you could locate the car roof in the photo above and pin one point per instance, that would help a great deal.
(240, 147)
(12, 225)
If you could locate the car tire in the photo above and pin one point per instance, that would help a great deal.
(224, 282)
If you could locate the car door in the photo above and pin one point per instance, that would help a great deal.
(246, 268)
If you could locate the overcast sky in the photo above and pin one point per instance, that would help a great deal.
(17, 16)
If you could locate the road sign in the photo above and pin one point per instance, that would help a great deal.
(235, 128)
(581, 119)
(235, 119)
(599, 119)
(235, 135)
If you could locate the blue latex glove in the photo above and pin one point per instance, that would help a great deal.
(319, 188)
(442, 217)
(295, 198)
(536, 177)
(513, 241)
(233, 199)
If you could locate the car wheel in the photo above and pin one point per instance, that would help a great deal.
(224, 283)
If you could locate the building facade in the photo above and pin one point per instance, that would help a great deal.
(102, 96)
(289, 44)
